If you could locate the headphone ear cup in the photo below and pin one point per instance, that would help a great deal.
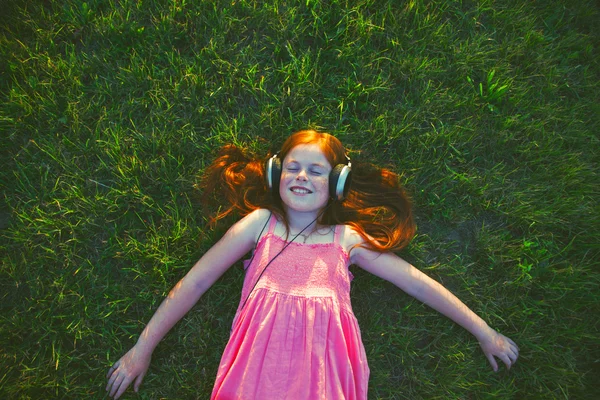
(273, 174)
(339, 182)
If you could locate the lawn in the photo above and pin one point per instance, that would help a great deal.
(110, 111)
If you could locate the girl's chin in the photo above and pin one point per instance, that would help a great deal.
(301, 207)
(306, 203)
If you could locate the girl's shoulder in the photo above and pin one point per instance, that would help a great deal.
(260, 215)
(355, 244)
(256, 217)
(260, 218)
(350, 239)
(253, 223)
(349, 236)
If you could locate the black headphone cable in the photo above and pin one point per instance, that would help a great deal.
(280, 251)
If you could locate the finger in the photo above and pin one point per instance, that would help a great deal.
(112, 369)
(515, 349)
(513, 359)
(114, 374)
(505, 359)
(122, 388)
(116, 385)
(111, 381)
(138, 382)
(492, 361)
(512, 342)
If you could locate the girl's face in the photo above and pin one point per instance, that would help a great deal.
(304, 184)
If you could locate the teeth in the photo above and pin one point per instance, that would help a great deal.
(300, 190)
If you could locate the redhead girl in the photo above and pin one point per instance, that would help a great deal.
(307, 216)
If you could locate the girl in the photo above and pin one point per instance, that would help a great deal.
(294, 334)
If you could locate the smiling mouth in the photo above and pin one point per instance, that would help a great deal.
(300, 190)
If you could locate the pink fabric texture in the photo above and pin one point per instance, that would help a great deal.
(296, 337)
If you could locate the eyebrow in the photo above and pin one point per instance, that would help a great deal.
(312, 164)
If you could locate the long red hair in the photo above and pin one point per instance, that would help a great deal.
(377, 206)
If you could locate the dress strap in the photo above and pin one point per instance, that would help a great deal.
(336, 234)
(272, 223)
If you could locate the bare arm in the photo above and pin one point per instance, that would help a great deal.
(392, 268)
(238, 240)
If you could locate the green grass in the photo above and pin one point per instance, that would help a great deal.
(109, 112)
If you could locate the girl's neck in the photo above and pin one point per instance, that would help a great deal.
(297, 221)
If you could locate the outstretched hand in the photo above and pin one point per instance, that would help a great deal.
(132, 366)
(495, 344)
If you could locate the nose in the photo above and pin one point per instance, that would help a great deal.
(302, 175)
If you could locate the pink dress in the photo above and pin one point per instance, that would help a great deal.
(296, 337)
